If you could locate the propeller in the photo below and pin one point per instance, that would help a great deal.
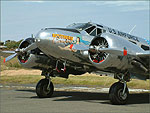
(19, 51)
(111, 51)
(11, 52)
(10, 57)
(91, 48)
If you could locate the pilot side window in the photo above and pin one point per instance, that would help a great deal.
(90, 29)
(99, 31)
(93, 33)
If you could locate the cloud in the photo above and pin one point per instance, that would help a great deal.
(35, 1)
(125, 6)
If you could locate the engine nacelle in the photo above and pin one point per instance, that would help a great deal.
(106, 61)
(34, 58)
(36, 62)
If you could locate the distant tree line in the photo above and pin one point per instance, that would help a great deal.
(11, 44)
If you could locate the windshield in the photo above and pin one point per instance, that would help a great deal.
(79, 26)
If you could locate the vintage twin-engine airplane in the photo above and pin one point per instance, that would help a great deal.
(85, 47)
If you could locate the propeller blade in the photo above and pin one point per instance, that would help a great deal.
(30, 47)
(18, 51)
(11, 52)
(111, 51)
(10, 57)
(6, 53)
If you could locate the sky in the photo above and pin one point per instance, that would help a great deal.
(20, 19)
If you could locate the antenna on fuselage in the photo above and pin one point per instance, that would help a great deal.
(90, 21)
(32, 36)
(132, 29)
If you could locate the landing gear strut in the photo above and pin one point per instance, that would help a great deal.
(45, 88)
(118, 92)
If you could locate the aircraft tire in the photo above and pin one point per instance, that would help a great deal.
(115, 94)
(41, 89)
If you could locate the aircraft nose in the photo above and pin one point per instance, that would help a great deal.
(43, 37)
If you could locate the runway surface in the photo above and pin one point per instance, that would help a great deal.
(24, 100)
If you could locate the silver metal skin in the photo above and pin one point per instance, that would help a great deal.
(52, 47)
(86, 47)
(115, 61)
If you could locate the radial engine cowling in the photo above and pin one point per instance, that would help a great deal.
(95, 55)
(109, 62)
(33, 58)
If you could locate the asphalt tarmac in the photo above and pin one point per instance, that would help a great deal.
(24, 100)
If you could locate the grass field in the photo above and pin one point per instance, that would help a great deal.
(12, 64)
(12, 72)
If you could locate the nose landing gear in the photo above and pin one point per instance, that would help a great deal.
(44, 88)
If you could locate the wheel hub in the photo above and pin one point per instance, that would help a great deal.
(121, 95)
(46, 90)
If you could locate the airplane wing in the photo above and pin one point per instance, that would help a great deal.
(79, 47)
(144, 55)
(107, 50)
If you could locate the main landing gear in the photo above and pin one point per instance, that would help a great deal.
(118, 92)
(45, 88)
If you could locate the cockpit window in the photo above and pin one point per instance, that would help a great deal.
(93, 33)
(99, 25)
(90, 29)
(99, 31)
(79, 26)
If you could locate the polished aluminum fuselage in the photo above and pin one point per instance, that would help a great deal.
(52, 46)
(55, 46)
